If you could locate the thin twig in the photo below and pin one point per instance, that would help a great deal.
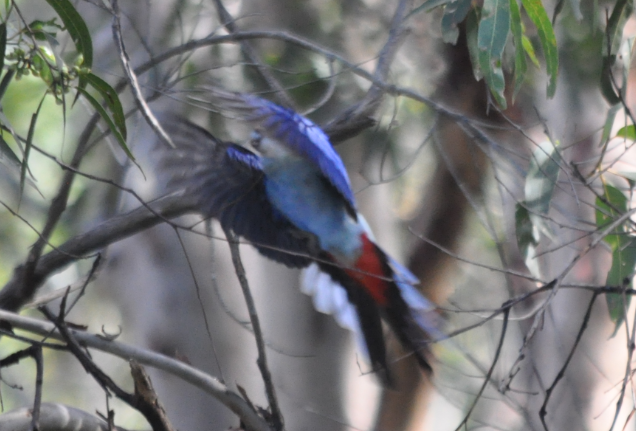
(543, 412)
(504, 327)
(132, 78)
(151, 411)
(277, 417)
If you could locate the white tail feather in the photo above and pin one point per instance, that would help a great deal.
(329, 297)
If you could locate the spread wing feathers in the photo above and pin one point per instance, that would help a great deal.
(299, 133)
(228, 181)
(409, 314)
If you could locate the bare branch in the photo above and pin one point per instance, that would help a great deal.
(54, 417)
(23, 285)
(186, 372)
(277, 417)
(132, 79)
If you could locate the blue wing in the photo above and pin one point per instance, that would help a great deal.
(228, 181)
(301, 134)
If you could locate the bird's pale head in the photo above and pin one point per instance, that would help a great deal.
(268, 147)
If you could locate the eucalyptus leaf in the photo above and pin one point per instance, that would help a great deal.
(541, 180)
(109, 121)
(627, 132)
(78, 30)
(614, 204)
(537, 14)
(112, 101)
(494, 28)
(521, 66)
(454, 13)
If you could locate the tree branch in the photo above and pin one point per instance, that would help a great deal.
(277, 417)
(54, 417)
(18, 291)
(185, 372)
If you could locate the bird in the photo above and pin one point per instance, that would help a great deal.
(292, 199)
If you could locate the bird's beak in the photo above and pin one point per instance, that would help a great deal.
(255, 139)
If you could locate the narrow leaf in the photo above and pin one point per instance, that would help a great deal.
(112, 101)
(527, 238)
(540, 182)
(520, 55)
(472, 28)
(427, 6)
(529, 49)
(111, 125)
(78, 30)
(614, 33)
(494, 28)
(607, 86)
(27, 149)
(537, 14)
(6, 79)
(609, 124)
(454, 13)
(623, 245)
(3, 43)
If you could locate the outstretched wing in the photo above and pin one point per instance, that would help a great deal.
(299, 133)
(228, 182)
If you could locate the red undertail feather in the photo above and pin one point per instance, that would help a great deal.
(369, 271)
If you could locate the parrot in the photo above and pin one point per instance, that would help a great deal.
(292, 199)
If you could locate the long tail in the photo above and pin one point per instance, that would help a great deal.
(376, 287)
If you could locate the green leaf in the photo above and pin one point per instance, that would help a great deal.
(609, 124)
(614, 33)
(520, 56)
(627, 132)
(27, 149)
(608, 89)
(3, 43)
(526, 234)
(537, 14)
(472, 28)
(529, 49)
(623, 247)
(494, 28)
(78, 30)
(540, 182)
(112, 101)
(454, 13)
(527, 238)
(427, 6)
(109, 121)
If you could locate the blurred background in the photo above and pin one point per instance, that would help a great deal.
(441, 193)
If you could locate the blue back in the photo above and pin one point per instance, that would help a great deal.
(305, 138)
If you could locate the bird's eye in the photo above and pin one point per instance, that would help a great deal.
(255, 139)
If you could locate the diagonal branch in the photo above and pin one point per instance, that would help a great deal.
(185, 372)
(277, 417)
(25, 281)
(132, 79)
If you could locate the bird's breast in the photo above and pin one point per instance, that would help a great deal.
(301, 193)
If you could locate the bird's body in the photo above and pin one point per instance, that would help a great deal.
(293, 201)
(302, 195)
